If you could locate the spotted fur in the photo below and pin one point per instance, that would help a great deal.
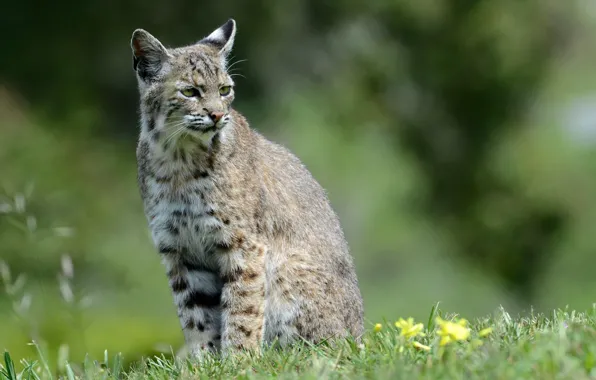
(253, 251)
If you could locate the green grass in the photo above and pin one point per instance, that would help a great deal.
(557, 346)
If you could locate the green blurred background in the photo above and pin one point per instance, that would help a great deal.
(456, 139)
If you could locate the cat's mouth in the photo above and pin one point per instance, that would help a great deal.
(203, 124)
(202, 128)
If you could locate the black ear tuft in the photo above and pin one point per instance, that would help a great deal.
(222, 37)
(228, 28)
(148, 55)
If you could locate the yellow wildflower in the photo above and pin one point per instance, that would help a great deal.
(485, 332)
(477, 343)
(378, 327)
(409, 329)
(449, 331)
(420, 346)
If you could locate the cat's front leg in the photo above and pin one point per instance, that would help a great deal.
(242, 265)
(196, 290)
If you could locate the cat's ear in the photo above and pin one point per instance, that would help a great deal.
(222, 37)
(148, 55)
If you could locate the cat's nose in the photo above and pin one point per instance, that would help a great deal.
(215, 116)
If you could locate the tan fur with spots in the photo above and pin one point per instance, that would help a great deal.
(252, 248)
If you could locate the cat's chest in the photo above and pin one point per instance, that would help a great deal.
(181, 218)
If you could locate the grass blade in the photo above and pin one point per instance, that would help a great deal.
(117, 366)
(431, 318)
(69, 372)
(46, 366)
(11, 374)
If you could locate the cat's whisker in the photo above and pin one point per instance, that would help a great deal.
(235, 63)
(175, 125)
(176, 133)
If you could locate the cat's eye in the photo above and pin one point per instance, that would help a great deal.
(225, 90)
(190, 92)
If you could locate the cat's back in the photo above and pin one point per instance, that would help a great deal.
(297, 197)
(308, 230)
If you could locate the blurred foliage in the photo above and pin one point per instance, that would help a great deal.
(441, 129)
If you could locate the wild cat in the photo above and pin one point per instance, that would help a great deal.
(253, 251)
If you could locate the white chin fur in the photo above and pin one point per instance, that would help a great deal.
(205, 137)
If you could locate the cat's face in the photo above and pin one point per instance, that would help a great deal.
(185, 90)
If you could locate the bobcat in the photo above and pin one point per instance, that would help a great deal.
(253, 251)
